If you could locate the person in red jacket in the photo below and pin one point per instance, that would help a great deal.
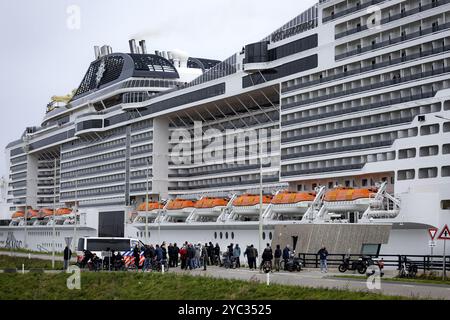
(183, 257)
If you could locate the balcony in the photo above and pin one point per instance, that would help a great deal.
(395, 17)
(397, 40)
(371, 87)
(373, 67)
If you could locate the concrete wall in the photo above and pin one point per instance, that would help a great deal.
(337, 238)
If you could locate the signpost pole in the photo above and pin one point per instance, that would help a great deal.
(444, 267)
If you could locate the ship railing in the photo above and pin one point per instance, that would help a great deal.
(424, 263)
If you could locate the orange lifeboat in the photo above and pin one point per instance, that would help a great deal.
(179, 209)
(18, 214)
(151, 206)
(247, 200)
(248, 204)
(293, 197)
(46, 212)
(209, 203)
(348, 199)
(292, 203)
(63, 211)
(179, 204)
(348, 194)
(32, 213)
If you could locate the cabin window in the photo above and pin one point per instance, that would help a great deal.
(221, 235)
(226, 235)
(232, 235)
(264, 236)
(215, 235)
(445, 204)
(364, 182)
(270, 235)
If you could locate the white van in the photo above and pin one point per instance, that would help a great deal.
(98, 245)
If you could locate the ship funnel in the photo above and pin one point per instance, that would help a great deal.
(97, 52)
(143, 46)
(133, 47)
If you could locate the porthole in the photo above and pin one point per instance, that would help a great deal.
(264, 236)
(215, 235)
(270, 235)
(226, 235)
(232, 235)
(221, 235)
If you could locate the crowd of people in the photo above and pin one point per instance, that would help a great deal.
(189, 256)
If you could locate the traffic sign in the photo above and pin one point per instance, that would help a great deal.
(445, 234)
(432, 244)
(432, 232)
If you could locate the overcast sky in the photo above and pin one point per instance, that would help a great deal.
(44, 52)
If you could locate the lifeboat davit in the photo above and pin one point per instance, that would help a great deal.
(210, 207)
(344, 199)
(249, 204)
(292, 202)
(180, 208)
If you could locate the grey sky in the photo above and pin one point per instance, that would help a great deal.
(41, 57)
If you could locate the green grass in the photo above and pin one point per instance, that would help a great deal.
(8, 262)
(155, 286)
(21, 250)
(431, 279)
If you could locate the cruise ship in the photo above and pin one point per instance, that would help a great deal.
(333, 130)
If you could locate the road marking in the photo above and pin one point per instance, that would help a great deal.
(407, 285)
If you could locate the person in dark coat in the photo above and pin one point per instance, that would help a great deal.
(277, 256)
(190, 256)
(137, 256)
(210, 250)
(158, 253)
(205, 256)
(286, 255)
(216, 253)
(67, 257)
(251, 258)
(170, 252)
(323, 254)
(176, 252)
(267, 256)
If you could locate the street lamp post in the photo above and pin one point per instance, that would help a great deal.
(54, 216)
(146, 203)
(76, 213)
(260, 221)
(260, 199)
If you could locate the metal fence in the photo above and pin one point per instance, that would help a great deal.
(423, 262)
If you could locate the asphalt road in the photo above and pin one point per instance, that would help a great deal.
(307, 278)
(316, 279)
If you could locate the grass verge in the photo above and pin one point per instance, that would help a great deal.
(155, 286)
(20, 250)
(8, 262)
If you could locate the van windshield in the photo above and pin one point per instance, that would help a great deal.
(112, 244)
